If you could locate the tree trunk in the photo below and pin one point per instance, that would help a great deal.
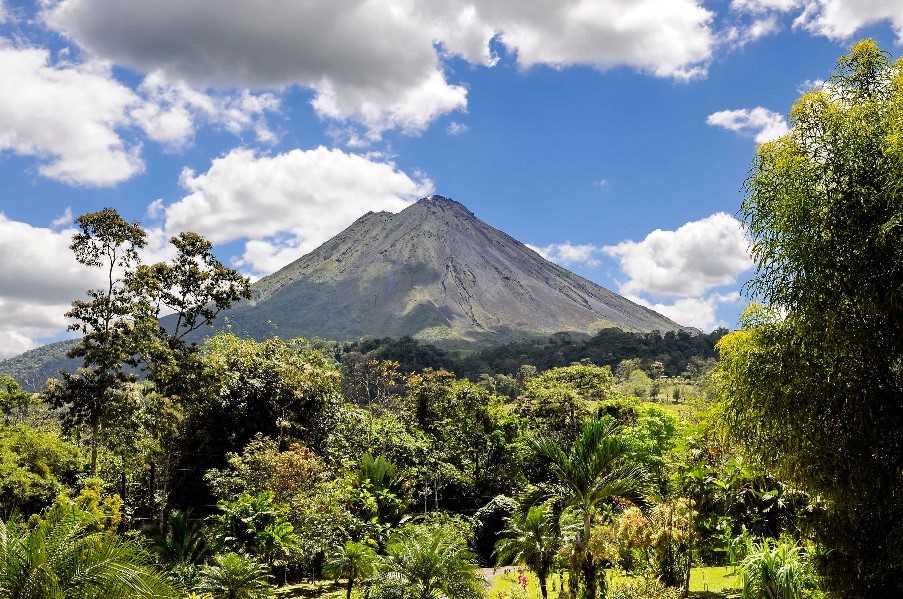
(94, 434)
(349, 587)
(589, 578)
(542, 587)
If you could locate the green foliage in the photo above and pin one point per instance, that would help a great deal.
(381, 492)
(256, 525)
(591, 475)
(777, 569)
(63, 557)
(818, 394)
(354, 562)
(262, 467)
(14, 402)
(235, 576)
(183, 541)
(643, 587)
(429, 562)
(35, 466)
(532, 539)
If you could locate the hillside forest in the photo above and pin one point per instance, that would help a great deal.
(763, 462)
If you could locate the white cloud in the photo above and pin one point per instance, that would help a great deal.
(759, 6)
(687, 262)
(38, 280)
(66, 115)
(698, 312)
(568, 253)
(841, 19)
(380, 62)
(64, 220)
(263, 257)
(456, 128)
(75, 118)
(764, 124)
(173, 107)
(287, 203)
(601, 183)
(835, 19)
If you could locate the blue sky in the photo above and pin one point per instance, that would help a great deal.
(611, 135)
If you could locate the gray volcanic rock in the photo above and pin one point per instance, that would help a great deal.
(436, 272)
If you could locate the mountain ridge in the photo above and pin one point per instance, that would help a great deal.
(438, 273)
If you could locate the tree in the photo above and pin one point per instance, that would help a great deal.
(191, 291)
(105, 320)
(431, 561)
(813, 384)
(354, 562)
(593, 473)
(531, 538)
(235, 576)
(35, 467)
(62, 557)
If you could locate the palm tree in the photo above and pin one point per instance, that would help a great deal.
(354, 561)
(236, 576)
(591, 475)
(62, 558)
(183, 541)
(531, 539)
(431, 562)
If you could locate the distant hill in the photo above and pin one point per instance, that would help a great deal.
(433, 272)
(32, 368)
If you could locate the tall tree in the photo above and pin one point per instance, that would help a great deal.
(105, 319)
(591, 475)
(190, 290)
(814, 384)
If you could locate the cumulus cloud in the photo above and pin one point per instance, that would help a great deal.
(38, 280)
(380, 63)
(66, 115)
(835, 19)
(289, 203)
(841, 19)
(687, 262)
(698, 312)
(76, 118)
(759, 122)
(172, 108)
(760, 6)
(569, 254)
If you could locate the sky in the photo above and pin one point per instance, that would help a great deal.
(612, 136)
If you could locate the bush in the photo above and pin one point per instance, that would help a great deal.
(647, 587)
(778, 570)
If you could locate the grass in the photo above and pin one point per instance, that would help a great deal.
(705, 582)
